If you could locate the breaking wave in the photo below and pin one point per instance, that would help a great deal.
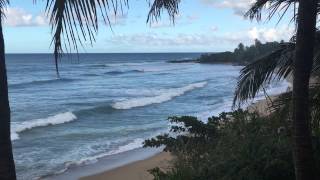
(49, 121)
(163, 97)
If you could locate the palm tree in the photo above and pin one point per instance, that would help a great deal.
(273, 67)
(72, 20)
(305, 19)
(301, 67)
(7, 169)
(303, 153)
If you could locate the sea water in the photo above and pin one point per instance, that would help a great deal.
(105, 104)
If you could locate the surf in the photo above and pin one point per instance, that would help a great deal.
(167, 95)
(49, 121)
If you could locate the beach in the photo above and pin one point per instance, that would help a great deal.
(139, 170)
(136, 170)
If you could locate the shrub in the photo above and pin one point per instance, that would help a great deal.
(235, 145)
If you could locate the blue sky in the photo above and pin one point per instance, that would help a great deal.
(201, 26)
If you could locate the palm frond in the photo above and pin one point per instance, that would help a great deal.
(171, 6)
(274, 66)
(3, 5)
(284, 101)
(272, 6)
(316, 61)
(75, 21)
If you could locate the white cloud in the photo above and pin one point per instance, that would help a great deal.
(118, 19)
(156, 39)
(214, 28)
(271, 34)
(192, 18)
(238, 6)
(161, 24)
(179, 19)
(16, 17)
(202, 40)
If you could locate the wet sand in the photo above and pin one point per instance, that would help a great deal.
(136, 170)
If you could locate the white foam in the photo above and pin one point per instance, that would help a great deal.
(52, 120)
(223, 107)
(163, 97)
(137, 143)
(271, 90)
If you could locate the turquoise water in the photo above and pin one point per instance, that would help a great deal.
(105, 104)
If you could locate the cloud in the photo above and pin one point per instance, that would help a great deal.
(118, 19)
(17, 17)
(192, 18)
(178, 20)
(156, 39)
(271, 34)
(204, 40)
(161, 24)
(214, 28)
(238, 6)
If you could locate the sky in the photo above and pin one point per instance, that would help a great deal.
(200, 26)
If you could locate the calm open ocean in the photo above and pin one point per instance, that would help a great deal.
(105, 104)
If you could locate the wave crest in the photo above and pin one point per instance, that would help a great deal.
(163, 97)
(52, 120)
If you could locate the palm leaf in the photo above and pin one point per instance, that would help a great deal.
(253, 77)
(3, 5)
(75, 21)
(272, 6)
(171, 6)
(275, 66)
(284, 101)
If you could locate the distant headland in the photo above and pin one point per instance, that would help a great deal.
(242, 55)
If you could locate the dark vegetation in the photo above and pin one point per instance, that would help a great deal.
(242, 55)
(235, 145)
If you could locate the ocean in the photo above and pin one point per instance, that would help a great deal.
(105, 104)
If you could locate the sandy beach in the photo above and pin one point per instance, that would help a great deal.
(139, 170)
(136, 170)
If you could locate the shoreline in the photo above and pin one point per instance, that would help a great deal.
(138, 170)
(105, 164)
(134, 164)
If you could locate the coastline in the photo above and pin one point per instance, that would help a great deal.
(106, 164)
(134, 164)
(135, 171)
(138, 170)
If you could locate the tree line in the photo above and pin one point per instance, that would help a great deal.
(242, 55)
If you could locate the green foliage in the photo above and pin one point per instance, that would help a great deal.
(235, 145)
(242, 54)
(274, 66)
